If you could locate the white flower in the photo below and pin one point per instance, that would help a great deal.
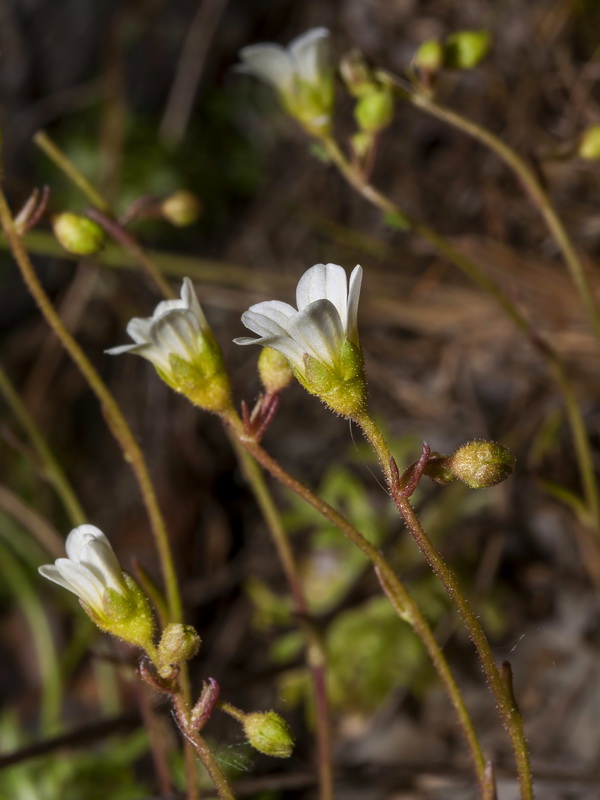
(179, 342)
(320, 338)
(301, 74)
(175, 328)
(325, 318)
(90, 568)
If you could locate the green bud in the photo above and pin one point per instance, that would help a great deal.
(356, 73)
(178, 643)
(375, 110)
(466, 49)
(480, 464)
(274, 370)
(268, 733)
(429, 58)
(181, 208)
(589, 144)
(78, 235)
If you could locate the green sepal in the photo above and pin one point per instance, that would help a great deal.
(203, 380)
(128, 616)
(311, 104)
(343, 387)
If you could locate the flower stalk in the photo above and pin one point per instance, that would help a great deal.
(509, 712)
(404, 605)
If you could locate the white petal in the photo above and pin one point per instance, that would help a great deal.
(269, 318)
(124, 348)
(324, 281)
(139, 329)
(50, 572)
(190, 298)
(270, 63)
(165, 307)
(81, 582)
(285, 345)
(318, 328)
(312, 54)
(80, 537)
(100, 559)
(353, 297)
(176, 333)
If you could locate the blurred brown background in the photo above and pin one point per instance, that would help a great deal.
(141, 95)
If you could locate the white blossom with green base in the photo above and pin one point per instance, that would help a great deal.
(302, 75)
(111, 599)
(320, 338)
(179, 342)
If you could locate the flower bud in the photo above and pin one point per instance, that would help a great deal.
(78, 235)
(429, 58)
(178, 643)
(589, 144)
(356, 73)
(274, 370)
(375, 110)
(181, 208)
(466, 49)
(480, 464)
(268, 733)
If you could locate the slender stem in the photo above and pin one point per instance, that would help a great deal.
(53, 472)
(115, 419)
(509, 712)
(201, 748)
(316, 657)
(316, 654)
(131, 244)
(403, 603)
(43, 141)
(534, 188)
(472, 270)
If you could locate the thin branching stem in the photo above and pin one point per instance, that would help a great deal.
(509, 712)
(405, 606)
(472, 270)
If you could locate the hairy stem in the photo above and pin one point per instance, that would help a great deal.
(510, 714)
(114, 417)
(403, 603)
(315, 652)
(472, 270)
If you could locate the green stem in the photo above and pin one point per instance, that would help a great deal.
(534, 188)
(472, 270)
(43, 141)
(403, 603)
(115, 419)
(510, 714)
(316, 655)
(52, 470)
(201, 748)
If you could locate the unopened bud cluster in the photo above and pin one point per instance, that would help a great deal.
(461, 50)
